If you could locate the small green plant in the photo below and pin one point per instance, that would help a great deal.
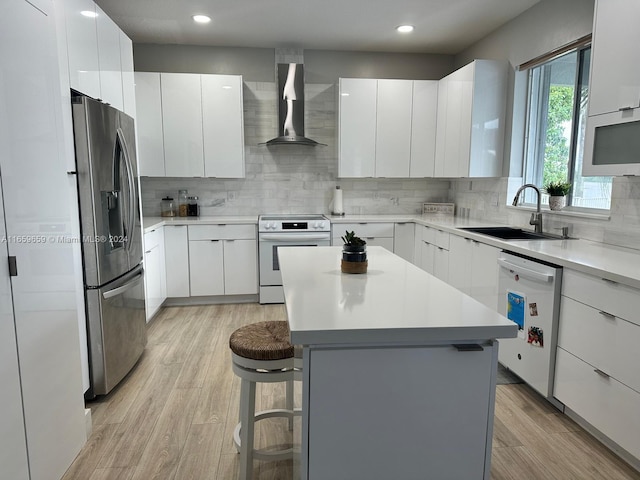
(351, 239)
(557, 188)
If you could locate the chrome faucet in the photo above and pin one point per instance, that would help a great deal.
(536, 218)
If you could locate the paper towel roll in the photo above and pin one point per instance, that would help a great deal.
(337, 202)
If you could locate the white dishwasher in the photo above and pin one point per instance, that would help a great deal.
(529, 295)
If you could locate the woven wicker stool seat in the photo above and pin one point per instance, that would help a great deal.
(262, 341)
(261, 352)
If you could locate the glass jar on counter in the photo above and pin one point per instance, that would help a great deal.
(183, 201)
(192, 206)
(167, 207)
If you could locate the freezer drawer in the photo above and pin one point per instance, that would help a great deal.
(116, 330)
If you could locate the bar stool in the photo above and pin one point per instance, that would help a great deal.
(260, 352)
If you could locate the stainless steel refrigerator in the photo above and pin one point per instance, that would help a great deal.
(111, 240)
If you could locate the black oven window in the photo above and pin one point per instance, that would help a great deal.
(274, 255)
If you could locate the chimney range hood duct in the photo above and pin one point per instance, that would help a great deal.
(291, 107)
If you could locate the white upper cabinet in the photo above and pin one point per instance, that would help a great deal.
(190, 125)
(223, 126)
(393, 128)
(612, 137)
(182, 124)
(109, 60)
(149, 124)
(357, 125)
(615, 78)
(387, 127)
(128, 80)
(471, 121)
(82, 46)
(98, 54)
(423, 128)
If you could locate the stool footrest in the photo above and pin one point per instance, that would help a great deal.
(264, 454)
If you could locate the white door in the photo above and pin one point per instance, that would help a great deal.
(223, 126)
(357, 127)
(206, 267)
(13, 445)
(182, 124)
(40, 199)
(423, 128)
(393, 128)
(240, 267)
(149, 124)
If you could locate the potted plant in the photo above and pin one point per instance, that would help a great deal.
(354, 254)
(557, 192)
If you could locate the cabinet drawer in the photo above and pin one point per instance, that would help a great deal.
(435, 237)
(605, 403)
(153, 238)
(605, 342)
(364, 230)
(613, 298)
(222, 232)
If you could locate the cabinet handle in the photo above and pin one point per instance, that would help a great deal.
(370, 238)
(625, 109)
(612, 282)
(468, 347)
(214, 240)
(601, 373)
(608, 315)
(148, 251)
(231, 240)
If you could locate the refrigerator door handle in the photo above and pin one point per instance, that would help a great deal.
(131, 200)
(123, 288)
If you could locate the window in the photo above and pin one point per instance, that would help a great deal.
(556, 123)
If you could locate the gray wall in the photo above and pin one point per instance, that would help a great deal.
(292, 179)
(544, 27)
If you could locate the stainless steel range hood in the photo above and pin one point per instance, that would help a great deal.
(291, 107)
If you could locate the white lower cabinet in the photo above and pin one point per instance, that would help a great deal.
(434, 253)
(597, 373)
(223, 260)
(206, 268)
(155, 276)
(605, 403)
(375, 234)
(345, 399)
(176, 244)
(473, 269)
(403, 240)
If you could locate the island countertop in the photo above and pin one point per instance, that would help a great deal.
(394, 302)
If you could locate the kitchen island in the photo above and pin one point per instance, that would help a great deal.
(399, 369)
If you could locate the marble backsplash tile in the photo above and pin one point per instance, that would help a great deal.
(293, 178)
(487, 199)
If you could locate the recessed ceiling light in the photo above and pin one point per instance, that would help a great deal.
(405, 28)
(201, 19)
(89, 13)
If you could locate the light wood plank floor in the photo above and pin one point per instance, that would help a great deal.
(173, 416)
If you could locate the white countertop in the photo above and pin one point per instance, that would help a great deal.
(150, 223)
(619, 264)
(394, 302)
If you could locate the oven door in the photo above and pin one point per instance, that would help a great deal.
(269, 244)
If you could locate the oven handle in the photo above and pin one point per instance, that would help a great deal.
(292, 238)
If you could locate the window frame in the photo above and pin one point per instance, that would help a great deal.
(530, 170)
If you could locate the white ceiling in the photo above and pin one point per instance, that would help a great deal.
(441, 26)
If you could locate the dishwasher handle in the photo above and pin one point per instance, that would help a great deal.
(526, 272)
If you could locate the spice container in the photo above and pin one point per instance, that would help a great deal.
(167, 207)
(192, 207)
(182, 203)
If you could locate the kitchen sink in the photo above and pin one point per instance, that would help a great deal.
(511, 233)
